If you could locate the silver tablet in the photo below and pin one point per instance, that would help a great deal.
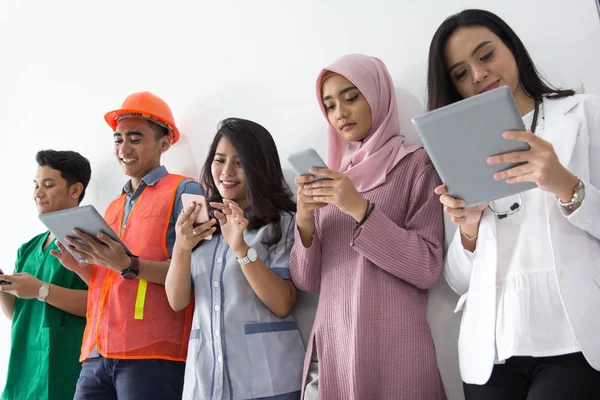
(85, 218)
(461, 136)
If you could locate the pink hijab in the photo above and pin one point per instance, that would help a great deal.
(368, 162)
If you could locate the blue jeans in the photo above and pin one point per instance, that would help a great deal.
(111, 379)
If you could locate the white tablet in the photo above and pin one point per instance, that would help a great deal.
(461, 136)
(85, 218)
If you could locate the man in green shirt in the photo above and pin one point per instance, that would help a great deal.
(45, 301)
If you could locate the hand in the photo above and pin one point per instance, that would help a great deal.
(306, 205)
(542, 166)
(339, 191)
(102, 251)
(22, 285)
(187, 233)
(233, 224)
(455, 208)
(66, 259)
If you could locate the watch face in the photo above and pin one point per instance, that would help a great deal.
(252, 255)
(128, 275)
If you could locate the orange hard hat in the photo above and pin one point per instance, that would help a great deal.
(148, 106)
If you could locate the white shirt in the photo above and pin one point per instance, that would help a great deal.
(530, 317)
(572, 125)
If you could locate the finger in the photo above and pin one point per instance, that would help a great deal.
(207, 225)
(319, 192)
(191, 220)
(522, 136)
(77, 245)
(441, 190)
(206, 233)
(56, 253)
(236, 209)
(243, 223)
(203, 227)
(303, 179)
(458, 220)
(523, 169)
(220, 217)
(522, 178)
(516, 156)
(309, 200)
(455, 212)
(7, 278)
(222, 207)
(185, 213)
(230, 202)
(82, 255)
(108, 241)
(88, 239)
(323, 199)
(320, 184)
(239, 216)
(326, 172)
(452, 202)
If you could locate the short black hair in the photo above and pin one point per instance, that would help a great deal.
(73, 167)
(160, 131)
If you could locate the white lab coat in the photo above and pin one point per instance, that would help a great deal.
(572, 125)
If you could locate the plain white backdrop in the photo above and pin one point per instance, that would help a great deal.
(65, 63)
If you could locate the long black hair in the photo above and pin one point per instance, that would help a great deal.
(441, 90)
(267, 191)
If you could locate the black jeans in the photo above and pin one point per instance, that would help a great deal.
(539, 378)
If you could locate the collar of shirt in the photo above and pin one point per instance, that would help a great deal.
(149, 180)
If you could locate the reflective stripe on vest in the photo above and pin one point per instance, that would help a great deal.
(133, 319)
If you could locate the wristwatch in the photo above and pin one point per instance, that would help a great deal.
(251, 256)
(576, 200)
(133, 270)
(43, 291)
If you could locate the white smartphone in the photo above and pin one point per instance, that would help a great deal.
(187, 199)
(304, 160)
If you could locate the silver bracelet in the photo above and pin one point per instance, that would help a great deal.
(469, 238)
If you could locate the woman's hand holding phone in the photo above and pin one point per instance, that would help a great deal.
(188, 231)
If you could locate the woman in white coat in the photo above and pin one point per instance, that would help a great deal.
(527, 267)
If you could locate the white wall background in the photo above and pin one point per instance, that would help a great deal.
(65, 63)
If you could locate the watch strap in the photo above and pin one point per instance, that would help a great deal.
(133, 270)
(43, 291)
(576, 199)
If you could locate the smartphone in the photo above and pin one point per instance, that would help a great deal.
(187, 199)
(3, 282)
(304, 160)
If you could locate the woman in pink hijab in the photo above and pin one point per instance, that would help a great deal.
(370, 242)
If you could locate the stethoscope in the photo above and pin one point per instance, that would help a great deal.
(516, 206)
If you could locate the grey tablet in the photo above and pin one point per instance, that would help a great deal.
(304, 160)
(461, 136)
(85, 218)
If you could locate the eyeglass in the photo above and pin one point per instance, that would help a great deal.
(516, 206)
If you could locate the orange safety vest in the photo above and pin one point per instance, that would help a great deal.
(133, 319)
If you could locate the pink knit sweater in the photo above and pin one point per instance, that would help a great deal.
(372, 336)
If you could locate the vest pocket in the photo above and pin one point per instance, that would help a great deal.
(276, 357)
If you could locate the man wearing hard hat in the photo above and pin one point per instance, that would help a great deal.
(135, 345)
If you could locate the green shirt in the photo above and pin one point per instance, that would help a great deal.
(44, 355)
